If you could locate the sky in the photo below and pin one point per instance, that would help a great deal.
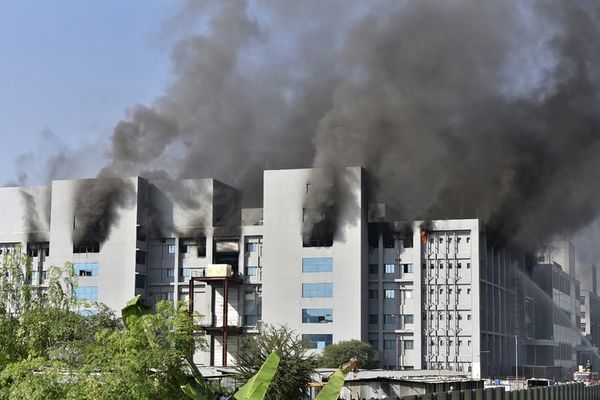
(71, 71)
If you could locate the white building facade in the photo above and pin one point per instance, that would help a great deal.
(436, 295)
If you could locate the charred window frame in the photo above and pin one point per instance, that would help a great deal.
(86, 247)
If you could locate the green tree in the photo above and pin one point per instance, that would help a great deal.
(296, 361)
(337, 354)
(34, 379)
(15, 276)
(144, 361)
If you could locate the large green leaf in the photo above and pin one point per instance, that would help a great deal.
(256, 388)
(134, 307)
(200, 391)
(332, 389)
(194, 393)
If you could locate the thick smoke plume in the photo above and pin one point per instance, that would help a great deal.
(456, 108)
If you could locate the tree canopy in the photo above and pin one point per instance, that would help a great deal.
(295, 366)
(49, 350)
(337, 354)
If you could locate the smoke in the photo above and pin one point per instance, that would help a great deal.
(97, 208)
(464, 108)
(459, 108)
(36, 216)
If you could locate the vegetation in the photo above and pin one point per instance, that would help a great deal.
(50, 351)
(337, 354)
(295, 367)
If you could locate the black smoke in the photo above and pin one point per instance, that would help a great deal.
(458, 108)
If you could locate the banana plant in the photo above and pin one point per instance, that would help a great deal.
(200, 389)
(332, 389)
(256, 388)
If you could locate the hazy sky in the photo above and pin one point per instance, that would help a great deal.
(73, 67)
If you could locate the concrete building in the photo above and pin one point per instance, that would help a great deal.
(444, 294)
(552, 310)
(588, 276)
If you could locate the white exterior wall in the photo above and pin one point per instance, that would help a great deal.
(284, 193)
(116, 277)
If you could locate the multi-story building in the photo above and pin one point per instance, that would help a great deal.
(553, 306)
(443, 294)
(588, 276)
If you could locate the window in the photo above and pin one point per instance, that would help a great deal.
(389, 344)
(441, 265)
(140, 281)
(171, 249)
(251, 271)
(468, 291)
(308, 187)
(317, 315)
(408, 293)
(468, 265)
(373, 293)
(409, 319)
(312, 290)
(390, 268)
(373, 319)
(170, 272)
(389, 319)
(250, 319)
(409, 344)
(458, 265)
(319, 341)
(407, 268)
(390, 294)
(373, 268)
(185, 272)
(251, 247)
(469, 317)
(374, 344)
(89, 293)
(449, 265)
(321, 264)
(87, 247)
(441, 240)
(140, 257)
(86, 269)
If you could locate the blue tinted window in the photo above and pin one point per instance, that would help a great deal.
(251, 271)
(251, 247)
(86, 269)
(319, 341)
(250, 319)
(317, 290)
(86, 293)
(390, 268)
(320, 264)
(317, 315)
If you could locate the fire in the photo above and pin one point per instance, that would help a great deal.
(423, 237)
